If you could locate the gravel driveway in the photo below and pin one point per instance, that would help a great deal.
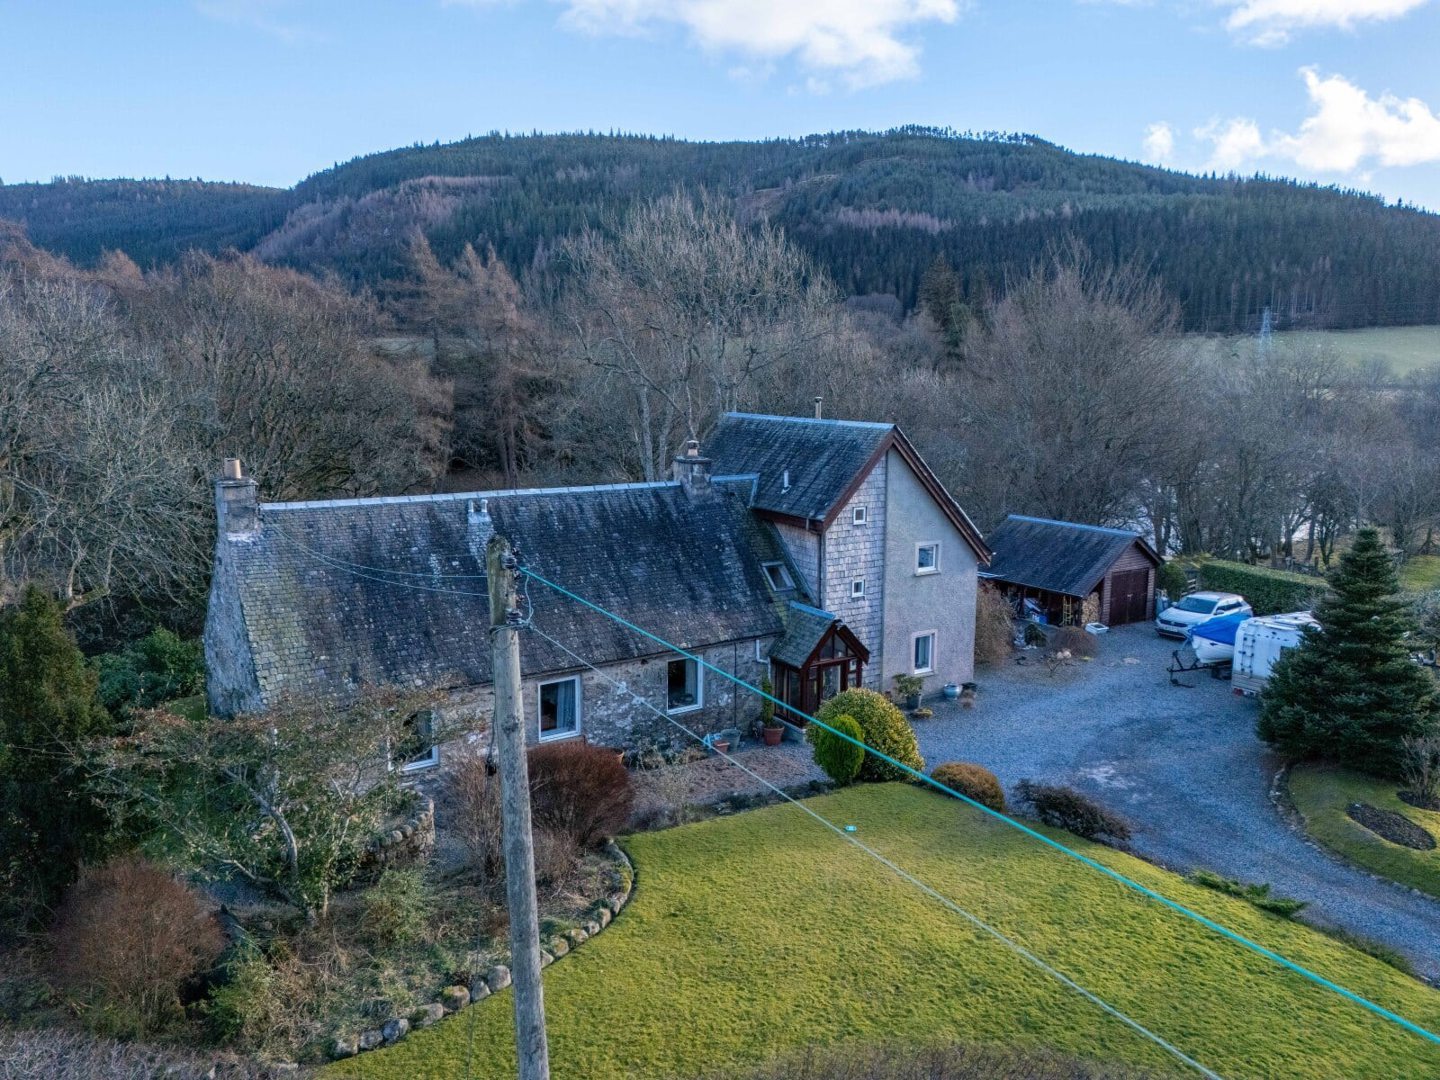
(1183, 765)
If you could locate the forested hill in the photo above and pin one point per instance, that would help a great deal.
(874, 209)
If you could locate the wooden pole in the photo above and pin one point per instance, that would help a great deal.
(508, 731)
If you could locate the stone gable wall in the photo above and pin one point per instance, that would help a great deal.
(804, 550)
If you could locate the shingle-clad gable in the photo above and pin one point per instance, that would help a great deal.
(823, 458)
(391, 591)
(1058, 556)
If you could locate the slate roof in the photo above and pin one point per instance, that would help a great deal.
(824, 458)
(805, 626)
(376, 591)
(1057, 556)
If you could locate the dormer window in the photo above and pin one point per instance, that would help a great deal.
(857, 589)
(859, 515)
(778, 576)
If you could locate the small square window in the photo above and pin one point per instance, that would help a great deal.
(684, 685)
(778, 576)
(859, 515)
(927, 558)
(857, 588)
(923, 651)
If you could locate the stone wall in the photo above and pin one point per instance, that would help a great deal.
(609, 715)
(854, 552)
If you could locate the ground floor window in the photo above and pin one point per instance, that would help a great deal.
(560, 708)
(684, 687)
(924, 653)
(418, 748)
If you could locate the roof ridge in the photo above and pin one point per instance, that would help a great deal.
(1074, 525)
(811, 420)
(457, 496)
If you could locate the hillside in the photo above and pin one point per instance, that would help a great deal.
(874, 209)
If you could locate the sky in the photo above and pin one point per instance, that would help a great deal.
(1342, 92)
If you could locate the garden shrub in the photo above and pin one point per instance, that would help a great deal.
(973, 781)
(1258, 895)
(1074, 640)
(1269, 591)
(581, 790)
(470, 809)
(994, 626)
(397, 908)
(1172, 579)
(245, 1006)
(1065, 808)
(127, 938)
(840, 758)
(1035, 635)
(160, 667)
(884, 729)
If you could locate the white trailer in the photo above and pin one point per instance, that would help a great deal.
(1259, 642)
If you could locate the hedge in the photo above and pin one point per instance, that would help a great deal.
(1269, 591)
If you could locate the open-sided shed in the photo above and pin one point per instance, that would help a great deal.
(1074, 573)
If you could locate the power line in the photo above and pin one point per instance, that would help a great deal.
(1129, 882)
(900, 871)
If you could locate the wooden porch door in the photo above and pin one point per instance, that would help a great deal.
(1129, 596)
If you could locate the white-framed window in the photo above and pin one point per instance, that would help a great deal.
(922, 652)
(777, 575)
(927, 557)
(684, 685)
(857, 588)
(559, 708)
(859, 515)
(418, 748)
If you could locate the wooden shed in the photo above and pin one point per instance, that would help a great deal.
(1074, 573)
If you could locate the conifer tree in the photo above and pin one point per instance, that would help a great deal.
(1350, 692)
(48, 704)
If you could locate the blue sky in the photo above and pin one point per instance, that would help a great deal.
(1340, 91)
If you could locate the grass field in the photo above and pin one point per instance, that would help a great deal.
(1421, 573)
(1402, 349)
(1321, 795)
(754, 934)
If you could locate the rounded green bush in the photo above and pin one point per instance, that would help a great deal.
(840, 758)
(973, 781)
(885, 730)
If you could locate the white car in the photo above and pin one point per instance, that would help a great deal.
(1197, 608)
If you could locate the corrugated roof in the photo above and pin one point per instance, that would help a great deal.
(823, 457)
(1057, 556)
(374, 591)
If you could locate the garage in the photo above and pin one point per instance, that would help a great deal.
(1071, 574)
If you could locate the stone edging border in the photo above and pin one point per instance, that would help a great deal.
(454, 998)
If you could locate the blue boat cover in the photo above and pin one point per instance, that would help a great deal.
(1221, 629)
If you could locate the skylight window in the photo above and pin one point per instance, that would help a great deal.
(778, 576)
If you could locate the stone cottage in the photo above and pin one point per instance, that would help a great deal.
(823, 554)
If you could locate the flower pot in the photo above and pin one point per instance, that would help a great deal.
(772, 735)
(721, 746)
(912, 701)
(951, 691)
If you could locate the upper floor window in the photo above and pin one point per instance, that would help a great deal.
(777, 575)
(857, 588)
(560, 708)
(927, 557)
(859, 515)
(684, 685)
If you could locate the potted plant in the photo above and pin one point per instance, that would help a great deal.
(951, 691)
(772, 731)
(909, 687)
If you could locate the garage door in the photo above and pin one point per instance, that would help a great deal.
(1129, 596)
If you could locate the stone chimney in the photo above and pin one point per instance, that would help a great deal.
(478, 528)
(692, 470)
(237, 504)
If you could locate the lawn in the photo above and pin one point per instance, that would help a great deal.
(1321, 795)
(1402, 349)
(754, 934)
(1420, 573)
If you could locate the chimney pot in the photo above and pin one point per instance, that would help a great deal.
(819, 400)
(231, 469)
(237, 503)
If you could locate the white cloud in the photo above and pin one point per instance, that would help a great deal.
(261, 15)
(1271, 22)
(1234, 143)
(1159, 143)
(862, 42)
(1347, 130)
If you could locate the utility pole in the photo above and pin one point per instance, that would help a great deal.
(508, 731)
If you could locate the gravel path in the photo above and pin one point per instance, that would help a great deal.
(1184, 766)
